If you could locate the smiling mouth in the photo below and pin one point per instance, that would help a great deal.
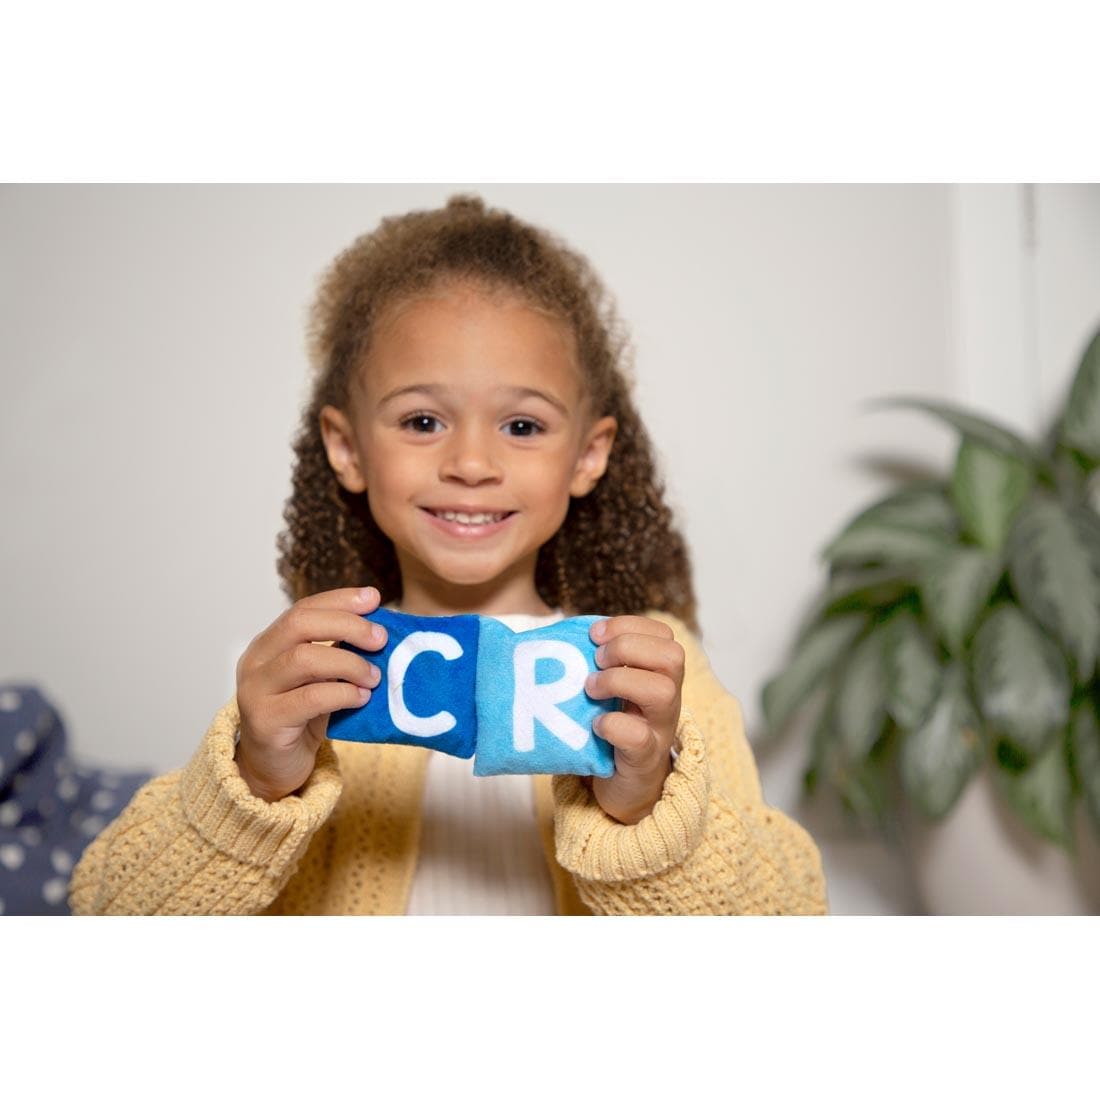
(469, 519)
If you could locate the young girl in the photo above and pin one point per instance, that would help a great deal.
(471, 446)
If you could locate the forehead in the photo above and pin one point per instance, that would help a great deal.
(471, 338)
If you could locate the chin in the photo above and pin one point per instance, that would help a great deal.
(469, 580)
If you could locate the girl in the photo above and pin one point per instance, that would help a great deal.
(470, 447)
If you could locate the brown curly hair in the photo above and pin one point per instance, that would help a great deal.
(618, 551)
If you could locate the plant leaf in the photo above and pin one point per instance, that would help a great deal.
(1092, 491)
(1070, 474)
(988, 487)
(1087, 525)
(1021, 679)
(898, 530)
(1053, 572)
(864, 789)
(1043, 794)
(954, 588)
(925, 505)
(859, 706)
(979, 429)
(939, 757)
(913, 674)
(822, 746)
(865, 590)
(1085, 743)
(1081, 423)
(873, 542)
(816, 655)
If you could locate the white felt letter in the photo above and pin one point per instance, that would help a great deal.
(423, 641)
(533, 700)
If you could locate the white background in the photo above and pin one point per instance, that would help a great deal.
(151, 341)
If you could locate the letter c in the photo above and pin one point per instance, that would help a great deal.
(422, 641)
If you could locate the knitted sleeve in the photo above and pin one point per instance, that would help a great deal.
(198, 841)
(711, 844)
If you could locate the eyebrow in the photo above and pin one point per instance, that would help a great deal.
(512, 391)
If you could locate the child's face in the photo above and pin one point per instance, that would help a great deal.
(469, 404)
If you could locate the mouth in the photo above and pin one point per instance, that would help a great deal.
(468, 524)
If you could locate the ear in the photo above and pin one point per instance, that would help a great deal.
(343, 456)
(593, 457)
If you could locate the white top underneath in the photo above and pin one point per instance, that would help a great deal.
(480, 851)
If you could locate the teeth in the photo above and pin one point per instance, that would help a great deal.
(472, 519)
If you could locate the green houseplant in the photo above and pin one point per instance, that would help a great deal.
(959, 627)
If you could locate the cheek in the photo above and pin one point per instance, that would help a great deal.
(388, 486)
(546, 477)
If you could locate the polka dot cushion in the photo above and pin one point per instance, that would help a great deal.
(50, 806)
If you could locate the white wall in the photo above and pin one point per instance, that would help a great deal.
(152, 351)
(1067, 285)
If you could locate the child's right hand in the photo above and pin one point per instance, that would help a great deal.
(287, 686)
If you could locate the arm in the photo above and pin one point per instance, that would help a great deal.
(710, 845)
(198, 841)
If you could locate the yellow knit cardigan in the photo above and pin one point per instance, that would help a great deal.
(197, 841)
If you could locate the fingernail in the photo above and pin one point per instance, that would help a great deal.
(601, 653)
(364, 694)
(599, 629)
(367, 594)
(591, 681)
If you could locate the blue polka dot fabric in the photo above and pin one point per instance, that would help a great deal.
(51, 807)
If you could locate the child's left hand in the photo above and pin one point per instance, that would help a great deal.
(641, 663)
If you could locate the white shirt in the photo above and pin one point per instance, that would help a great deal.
(480, 851)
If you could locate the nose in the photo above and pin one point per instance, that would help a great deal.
(471, 457)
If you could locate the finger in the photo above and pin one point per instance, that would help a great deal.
(310, 622)
(652, 692)
(634, 740)
(309, 663)
(606, 629)
(296, 708)
(664, 655)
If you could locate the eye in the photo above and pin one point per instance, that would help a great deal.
(422, 423)
(525, 426)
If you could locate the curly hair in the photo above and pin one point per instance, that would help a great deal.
(618, 550)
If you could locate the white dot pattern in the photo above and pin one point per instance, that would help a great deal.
(12, 856)
(50, 808)
(102, 800)
(54, 890)
(92, 825)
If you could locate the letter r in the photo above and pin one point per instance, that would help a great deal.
(533, 700)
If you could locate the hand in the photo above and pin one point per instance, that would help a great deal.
(641, 663)
(287, 686)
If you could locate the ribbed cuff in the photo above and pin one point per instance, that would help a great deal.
(593, 845)
(221, 808)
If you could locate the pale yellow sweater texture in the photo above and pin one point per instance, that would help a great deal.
(196, 841)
